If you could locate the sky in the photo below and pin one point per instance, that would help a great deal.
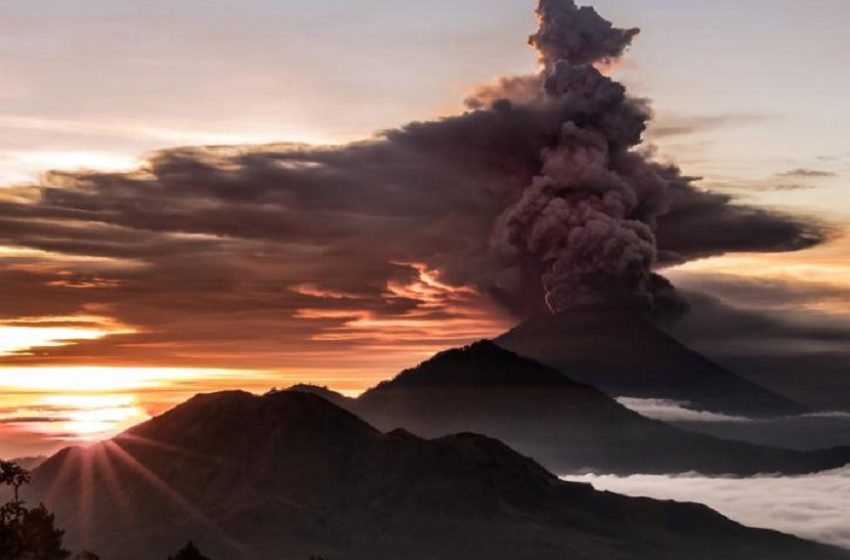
(748, 95)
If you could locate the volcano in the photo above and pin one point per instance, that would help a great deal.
(625, 355)
(565, 425)
(290, 475)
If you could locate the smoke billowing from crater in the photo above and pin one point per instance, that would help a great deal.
(588, 218)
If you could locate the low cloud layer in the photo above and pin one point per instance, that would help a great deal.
(815, 430)
(536, 199)
(815, 507)
(674, 411)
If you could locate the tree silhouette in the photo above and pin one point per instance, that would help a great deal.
(188, 552)
(28, 534)
(14, 475)
(41, 539)
(11, 543)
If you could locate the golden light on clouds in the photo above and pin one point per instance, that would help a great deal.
(70, 159)
(27, 333)
(14, 340)
(821, 273)
(830, 263)
(442, 313)
(23, 258)
(85, 379)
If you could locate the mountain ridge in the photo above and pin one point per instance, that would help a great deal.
(566, 425)
(246, 476)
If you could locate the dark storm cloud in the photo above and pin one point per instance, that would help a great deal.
(534, 196)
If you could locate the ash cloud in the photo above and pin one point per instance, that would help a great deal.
(762, 329)
(537, 198)
(577, 35)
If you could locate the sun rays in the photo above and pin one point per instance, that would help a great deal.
(88, 483)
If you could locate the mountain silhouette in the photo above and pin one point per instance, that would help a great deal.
(290, 475)
(567, 426)
(624, 354)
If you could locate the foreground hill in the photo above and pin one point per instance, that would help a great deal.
(624, 354)
(565, 425)
(289, 474)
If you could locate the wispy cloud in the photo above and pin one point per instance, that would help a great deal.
(674, 411)
(669, 125)
(807, 173)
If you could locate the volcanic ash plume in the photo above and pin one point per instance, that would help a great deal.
(588, 218)
(577, 35)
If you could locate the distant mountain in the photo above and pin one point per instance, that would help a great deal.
(290, 475)
(567, 426)
(624, 354)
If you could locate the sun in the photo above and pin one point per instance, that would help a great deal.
(90, 417)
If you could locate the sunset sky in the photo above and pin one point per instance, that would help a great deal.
(104, 324)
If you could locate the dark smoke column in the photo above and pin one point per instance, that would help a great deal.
(588, 218)
(577, 35)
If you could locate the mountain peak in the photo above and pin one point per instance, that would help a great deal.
(625, 354)
(237, 423)
(477, 364)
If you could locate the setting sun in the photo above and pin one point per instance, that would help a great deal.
(89, 417)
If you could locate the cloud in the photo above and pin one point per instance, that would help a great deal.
(674, 411)
(765, 319)
(673, 125)
(807, 173)
(813, 506)
(807, 432)
(790, 336)
(757, 185)
(428, 235)
(32, 420)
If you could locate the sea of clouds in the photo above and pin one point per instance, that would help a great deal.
(815, 506)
